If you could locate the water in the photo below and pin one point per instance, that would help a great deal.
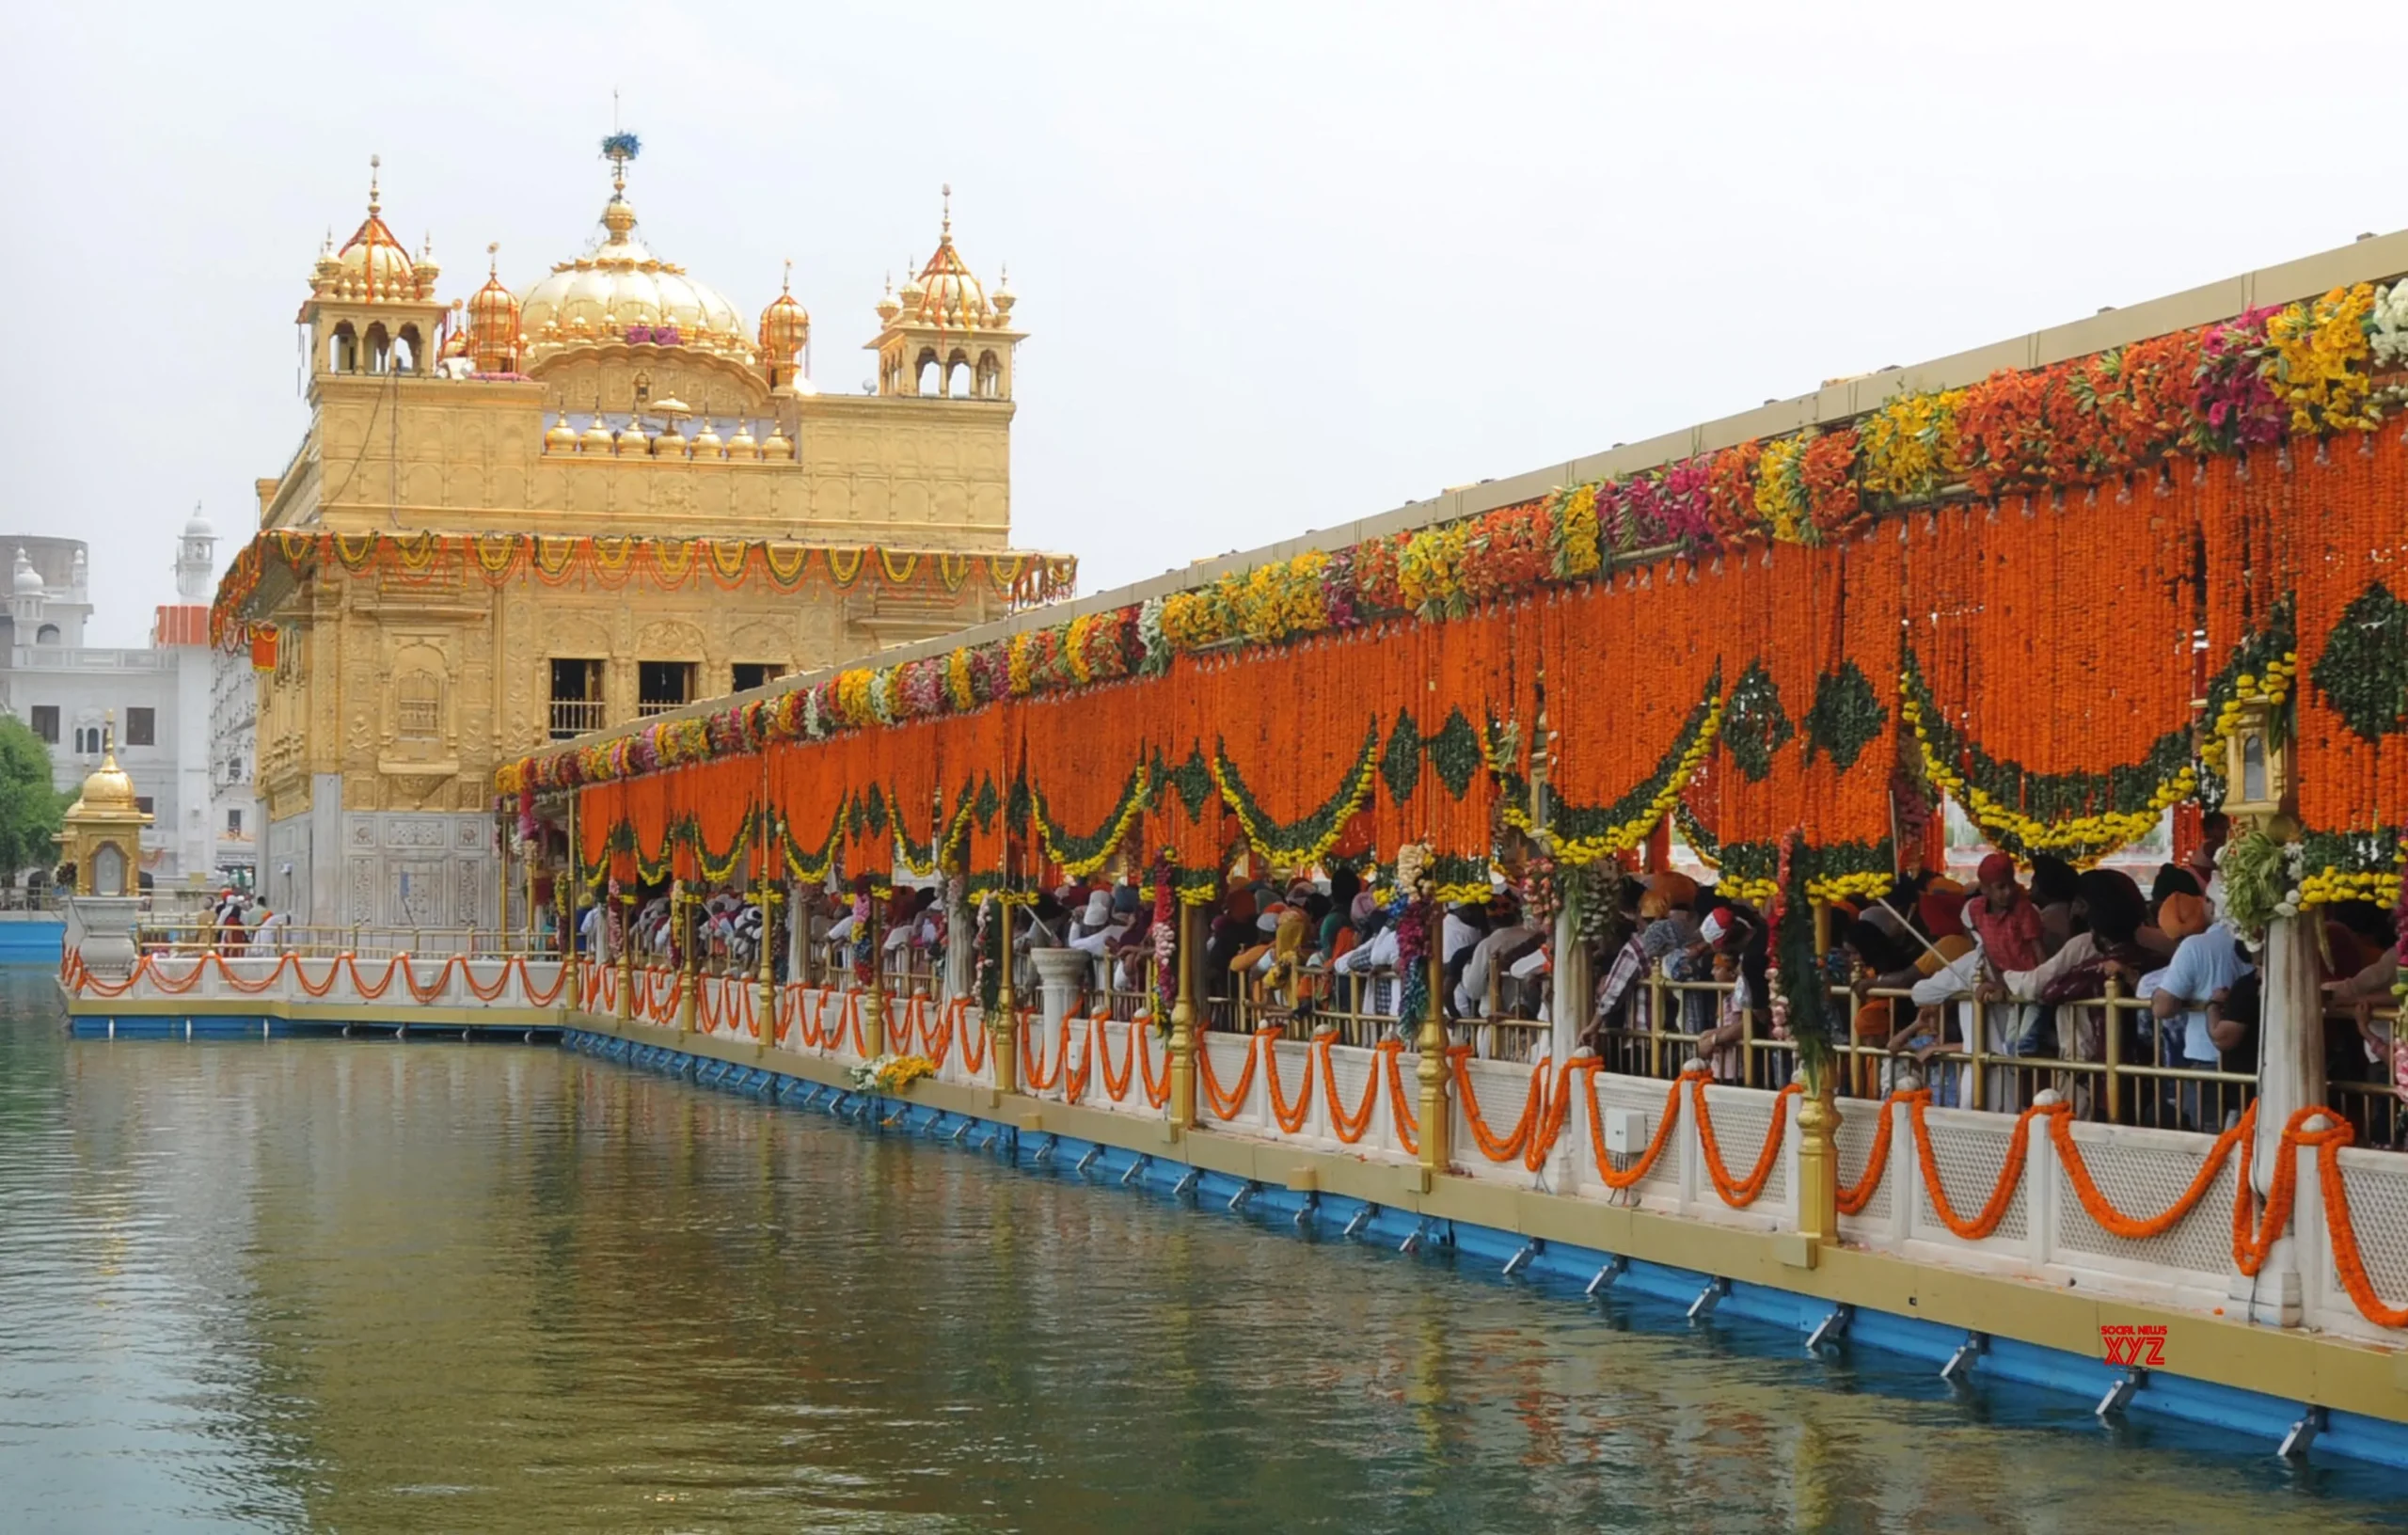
(343, 1285)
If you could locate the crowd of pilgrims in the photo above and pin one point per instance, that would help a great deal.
(1911, 973)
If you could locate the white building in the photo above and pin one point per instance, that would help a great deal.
(159, 699)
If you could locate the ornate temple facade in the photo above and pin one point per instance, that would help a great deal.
(518, 519)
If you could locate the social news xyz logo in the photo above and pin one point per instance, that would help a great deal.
(2129, 1345)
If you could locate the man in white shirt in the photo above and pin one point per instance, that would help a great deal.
(1471, 991)
(2205, 961)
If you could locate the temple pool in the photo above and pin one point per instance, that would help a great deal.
(322, 1284)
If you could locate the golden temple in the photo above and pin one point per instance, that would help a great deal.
(521, 518)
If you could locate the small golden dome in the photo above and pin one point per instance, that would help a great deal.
(776, 447)
(107, 790)
(741, 445)
(493, 315)
(373, 264)
(785, 325)
(887, 306)
(946, 292)
(597, 434)
(631, 438)
(561, 438)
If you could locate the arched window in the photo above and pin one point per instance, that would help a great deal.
(342, 349)
(108, 870)
(406, 351)
(418, 706)
(957, 376)
(930, 373)
(380, 348)
(990, 376)
(46, 635)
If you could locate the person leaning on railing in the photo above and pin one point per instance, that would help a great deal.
(2206, 962)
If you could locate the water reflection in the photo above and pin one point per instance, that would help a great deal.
(368, 1286)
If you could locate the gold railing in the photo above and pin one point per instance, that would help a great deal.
(2373, 1109)
(363, 941)
(646, 709)
(2118, 1074)
(1351, 1005)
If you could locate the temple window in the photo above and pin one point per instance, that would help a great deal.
(46, 635)
(932, 374)
(141, 727)
(663, 686)
(342, 349)
(752, 674)
(990, 377)
(418, 706)
(405, 350)
(576, 699)
(380, 349)
(957, 376)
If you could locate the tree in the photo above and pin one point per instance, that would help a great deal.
(30, 809)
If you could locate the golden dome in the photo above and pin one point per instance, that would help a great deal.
(624, 293)
(785, 325)
(741, 445)
(560, 438)
(597, 432)
(107, 791)
(778, 445)
(946, 292)
(493, 319)
(372, 265)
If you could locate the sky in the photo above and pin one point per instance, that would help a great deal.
(1281, 264)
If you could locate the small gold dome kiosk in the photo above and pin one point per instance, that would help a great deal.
(102, 833)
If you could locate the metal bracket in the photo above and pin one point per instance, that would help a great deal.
(1310, 1210)
(988, 1144)
(1412, 1243)
(1360, 1219)
(2119, 1395)
(935, 1124)
(1237, 1200)
(1045, 1152)
(1615, 1268)
(1708, 1298)
(2303, 1433)
(1136, 1169)
(1186, 1184)
(966, 1126)
(1832, 1328)
(1521, 1259)
(1088, 1161)
(1974, 1346)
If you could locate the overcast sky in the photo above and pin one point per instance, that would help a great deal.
(1281, 264)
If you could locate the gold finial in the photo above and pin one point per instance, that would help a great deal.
(947, 190)
(493, 259)
(786, 284)
(375, 166)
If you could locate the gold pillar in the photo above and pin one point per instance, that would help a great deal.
(682, 907)
(501, 893)
(626, 957)
(1002, 1045)
(564, 901)
(1818, 1159)
(765, 996)
(1432, 1071)
(1182, 1023)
